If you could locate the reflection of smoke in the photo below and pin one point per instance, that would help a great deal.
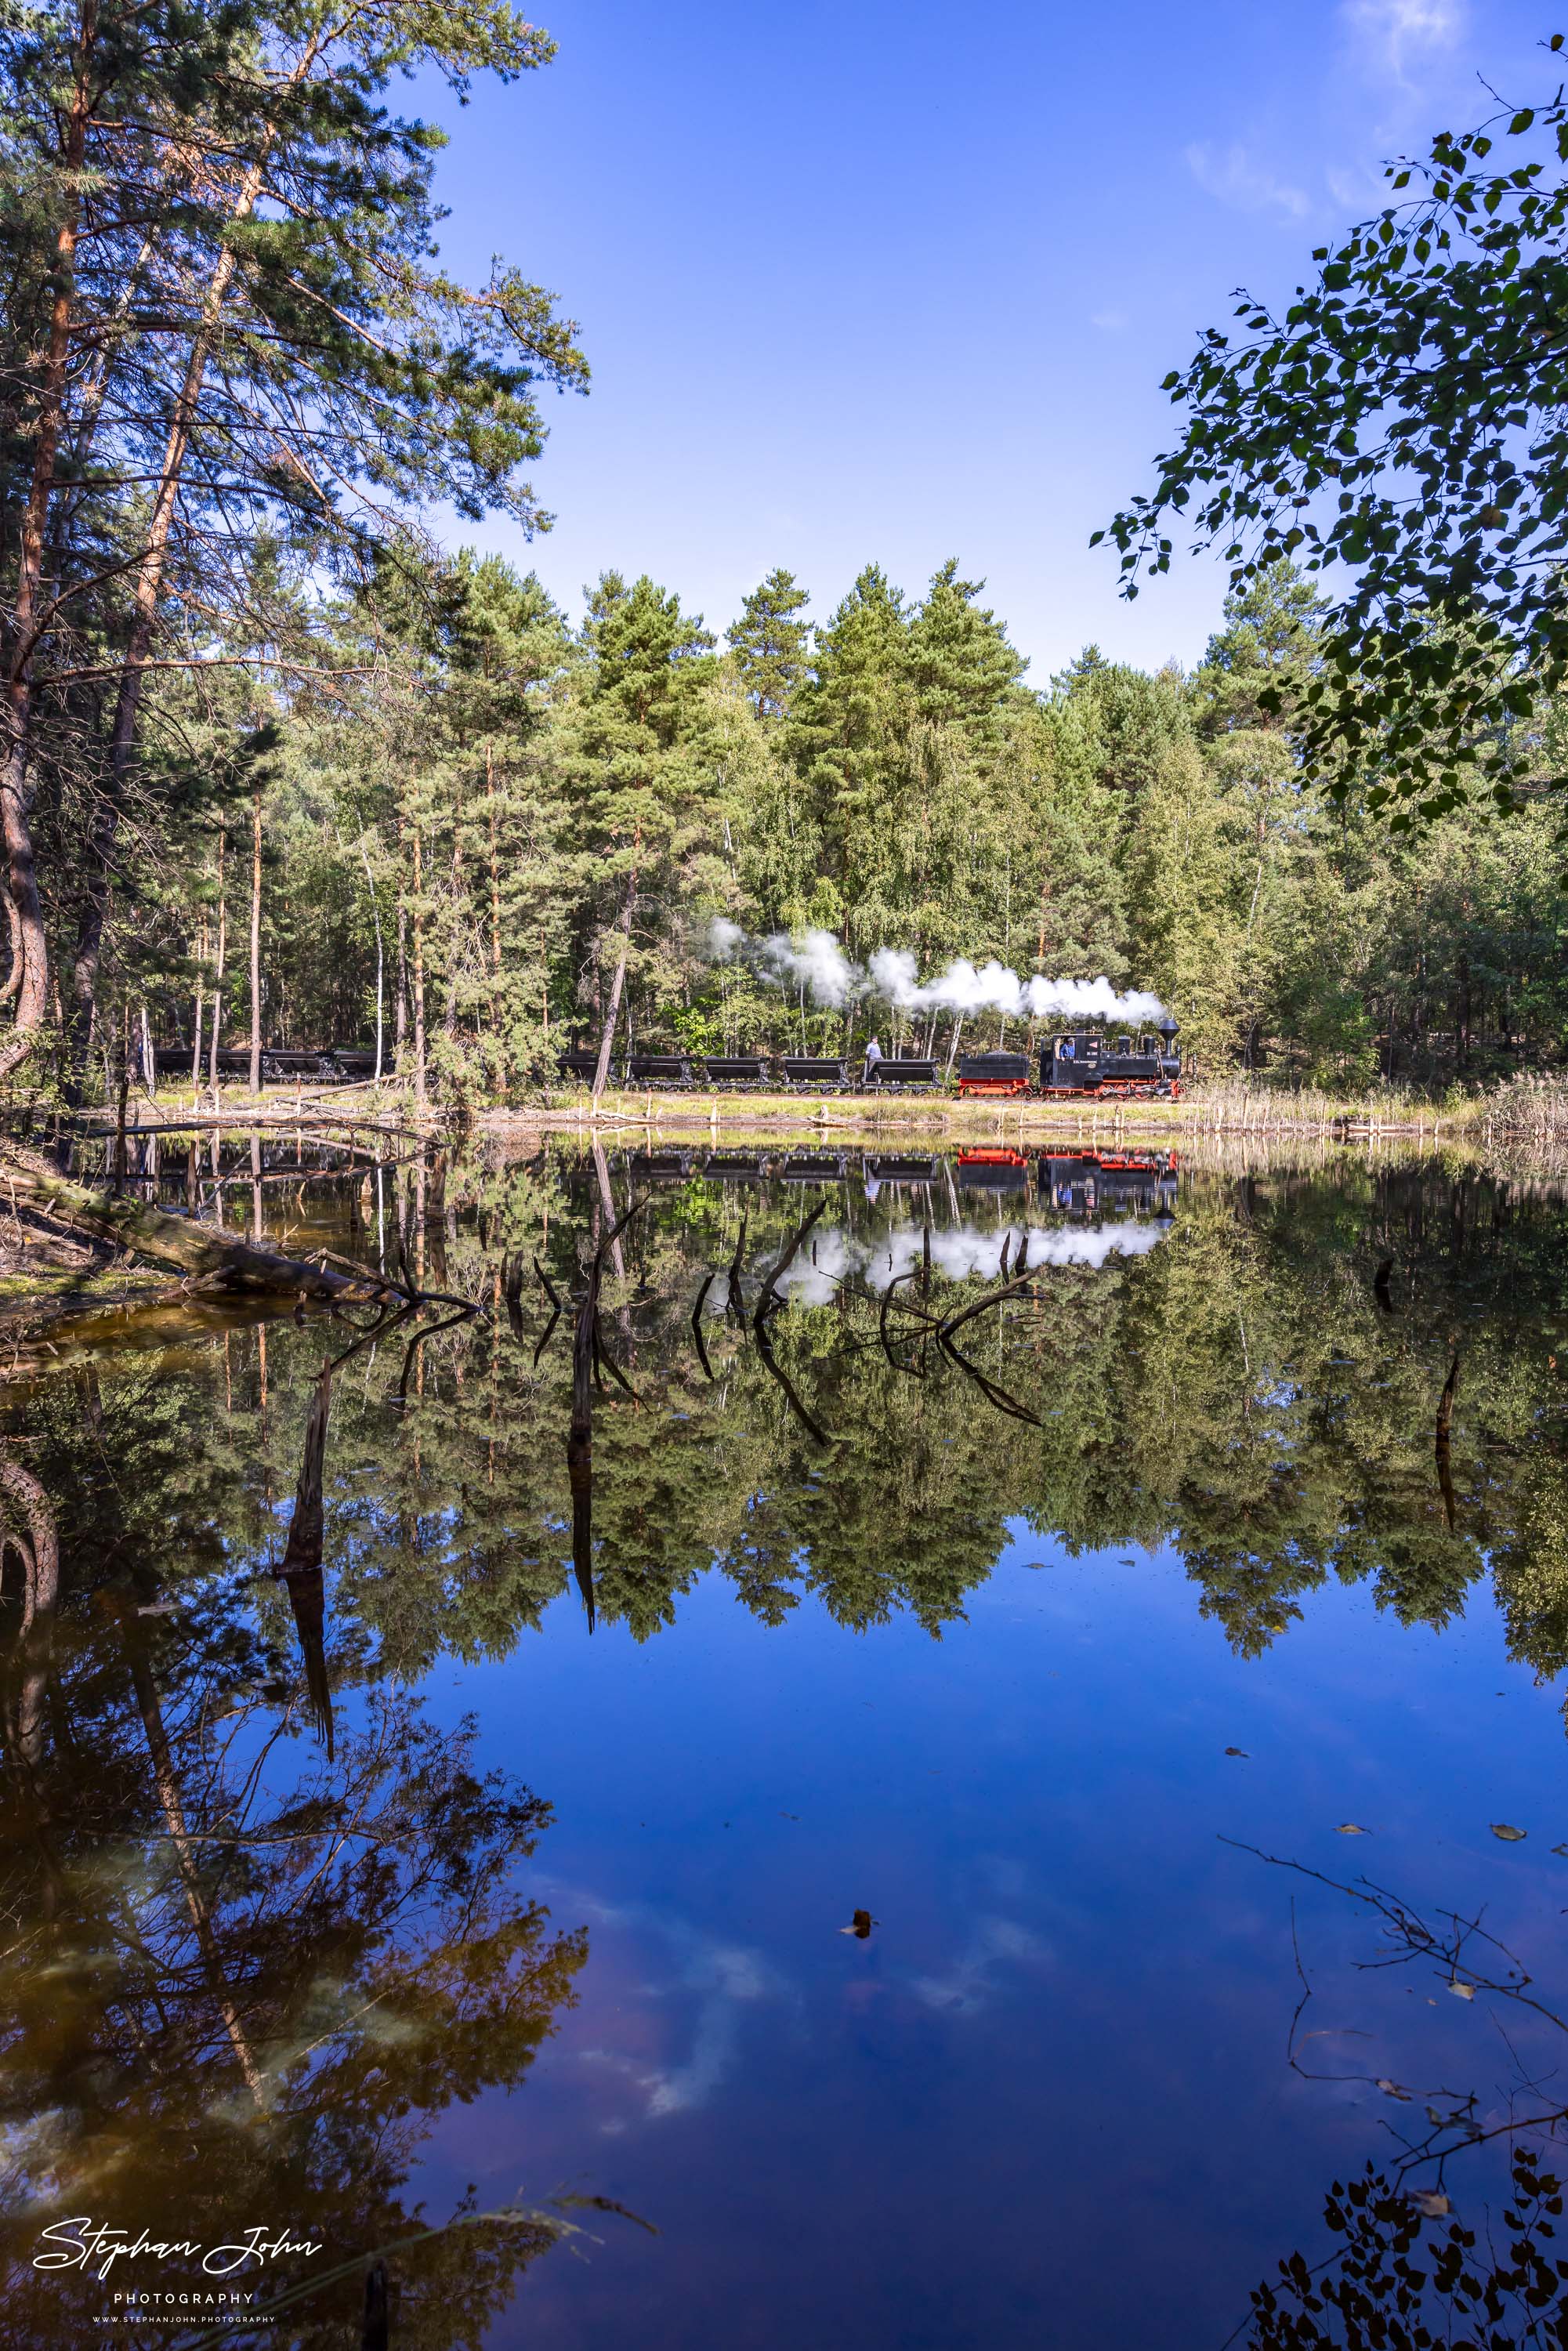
(817, 963)
(962, 1252)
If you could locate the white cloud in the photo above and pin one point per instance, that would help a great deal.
(1359, 190)
(711, 1980)
(1110, 322)
(1395, 34)
(995, 1943)
(1231, 175)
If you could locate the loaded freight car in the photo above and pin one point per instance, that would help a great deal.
(999, 1075)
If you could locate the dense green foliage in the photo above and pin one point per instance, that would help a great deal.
(527, 808)
(1404, 418)
(276, 769)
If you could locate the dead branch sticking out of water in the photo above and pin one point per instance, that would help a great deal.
(708, 1282)
(766, 1304)
(448, 1323)
(586, 1356)
(769, 1297)
(1440, 1443)
(302, 1565)
(734, 1303)
(512, 1290)
(914, 1371)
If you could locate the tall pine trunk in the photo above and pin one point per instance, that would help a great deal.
(218, 967)
(613, 1010)
(256, 936)
(149, 588)
(418, 975)
(28, 623)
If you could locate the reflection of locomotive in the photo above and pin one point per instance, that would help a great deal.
(1098, 1183)
(1080, 1062)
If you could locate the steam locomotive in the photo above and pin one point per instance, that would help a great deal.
(1120, 1066)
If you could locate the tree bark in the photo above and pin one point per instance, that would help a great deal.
(150, 585)
(219, 968)
(380, 955)
(15, 811)
(613, 1010)
(256, 936)
(196, 1015)
(418, 975)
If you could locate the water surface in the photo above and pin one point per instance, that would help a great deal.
(451, 1782)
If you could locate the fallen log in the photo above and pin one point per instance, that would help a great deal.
(204, 1252)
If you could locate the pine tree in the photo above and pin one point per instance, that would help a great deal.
(960, 663)
(771, 646)
(643, 796)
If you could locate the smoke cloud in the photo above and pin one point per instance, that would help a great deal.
(817, 963)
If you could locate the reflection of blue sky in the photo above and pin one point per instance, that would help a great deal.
(1047, 2100)
(703, 1987)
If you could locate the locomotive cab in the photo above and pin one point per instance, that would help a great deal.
(1071, 1063)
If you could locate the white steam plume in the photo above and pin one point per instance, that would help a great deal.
(817, 962)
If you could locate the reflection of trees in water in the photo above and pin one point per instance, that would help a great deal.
(1401, 2280)
(1240, 1391)
(237, 1987)
(1247, 1391)
(1414, 2257)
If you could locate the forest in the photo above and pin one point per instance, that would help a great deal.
(499, 831)
(283, 770)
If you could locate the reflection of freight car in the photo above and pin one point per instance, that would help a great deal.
(1118, 1065)
(993, 1171)
(1092, 1182)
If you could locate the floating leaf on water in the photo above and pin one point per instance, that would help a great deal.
(1392, 2090)
(1462, 1990)
(1509, 1835)
(1350, 1828)
(861, 1925)
(1239, 1751)
(1430, 2202)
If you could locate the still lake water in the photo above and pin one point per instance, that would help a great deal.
(353, 1884)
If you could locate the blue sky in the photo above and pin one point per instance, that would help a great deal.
(866, 281)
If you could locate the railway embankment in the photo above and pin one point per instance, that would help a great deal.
(1233, 1112)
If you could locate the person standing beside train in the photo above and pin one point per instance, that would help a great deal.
(872, 1056)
